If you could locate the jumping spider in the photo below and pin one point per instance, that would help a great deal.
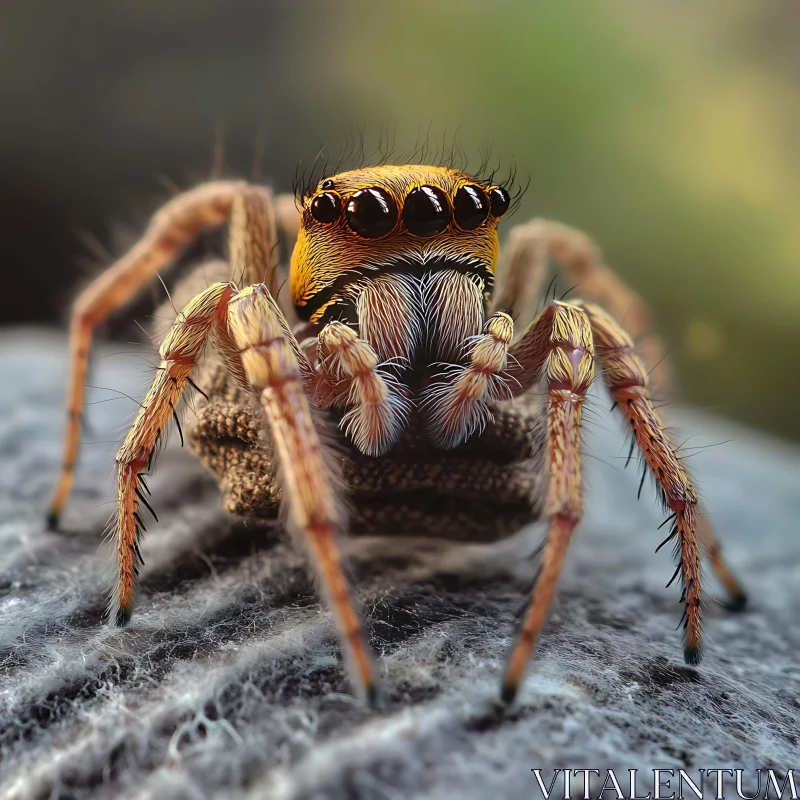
(401, 331)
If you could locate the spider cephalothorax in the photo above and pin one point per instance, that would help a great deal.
(406, 257)
(392, 221)
(401, 330)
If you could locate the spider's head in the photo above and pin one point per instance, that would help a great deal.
(392, 219)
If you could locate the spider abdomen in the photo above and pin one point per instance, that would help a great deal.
(483, 490)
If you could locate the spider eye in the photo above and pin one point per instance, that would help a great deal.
(471, 207)
(500, 200)
(326, 207)
(371, 213)
(327, 184)
(426, 211)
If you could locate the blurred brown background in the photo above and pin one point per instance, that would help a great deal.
(667, 130)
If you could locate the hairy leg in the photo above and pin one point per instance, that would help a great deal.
(522, 269)
(257, 341)
(564, 358)
(253, 246)
(625, 376)
(456, 406)
(534, 358)
(711, 547)
(272, 367)
(376, 409)
(179, 352)
(253, 237)
(172, 228)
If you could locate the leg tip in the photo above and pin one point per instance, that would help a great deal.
(122, 617)
(692, 656)
(508, 692)
(52, 519)
(737, 603)
(373, 697)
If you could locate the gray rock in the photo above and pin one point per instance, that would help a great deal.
(229, 683)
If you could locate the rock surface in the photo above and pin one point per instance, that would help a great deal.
(229, 683)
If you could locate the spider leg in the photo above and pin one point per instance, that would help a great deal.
(258, 341)
(253, 236)
(533, 357)
(179, 352)
(376, 409)
(272, 367)
(254, 254)
(712, 548)
(522, 269)
(173, 227)
(456, 405)
(625, 376)
(564, 357)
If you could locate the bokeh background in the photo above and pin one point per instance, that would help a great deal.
(669, 131)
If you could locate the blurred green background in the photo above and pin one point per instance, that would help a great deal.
(669, 131)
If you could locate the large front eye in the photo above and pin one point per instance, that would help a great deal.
(426, 211)
(471, 207)
(371, 213)
(326, 207)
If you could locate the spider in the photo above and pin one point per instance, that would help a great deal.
(406, 340)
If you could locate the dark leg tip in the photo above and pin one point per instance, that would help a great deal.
(372, 696)
(737, 603)
(692, 656)
(122, 617)
(52, 519)
(507, 693)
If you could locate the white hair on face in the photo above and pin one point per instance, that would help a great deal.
(404, 318)
(390, 315)
(453, 303)
(390, 323)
